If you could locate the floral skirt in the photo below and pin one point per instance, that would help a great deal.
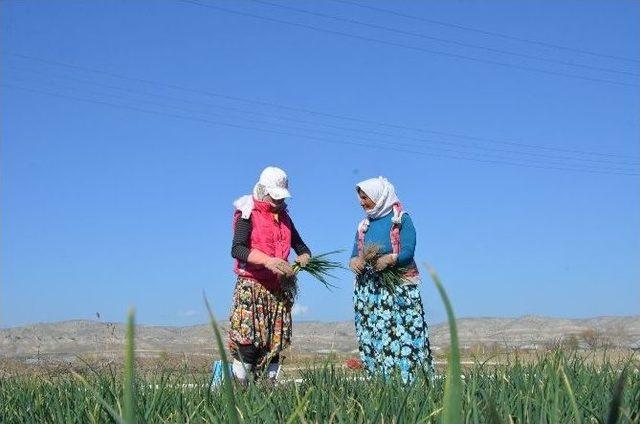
(392, 333)
(261, 318)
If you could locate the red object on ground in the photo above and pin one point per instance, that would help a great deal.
(353, 363)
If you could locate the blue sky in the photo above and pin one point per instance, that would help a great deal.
(128, 128)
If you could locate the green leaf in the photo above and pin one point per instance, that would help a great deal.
(452, 402)
(227, 381)
(129, 407)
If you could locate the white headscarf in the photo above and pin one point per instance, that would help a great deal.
(383, 193)
(244, 204)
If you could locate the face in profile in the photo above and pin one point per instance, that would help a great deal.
(366, 203)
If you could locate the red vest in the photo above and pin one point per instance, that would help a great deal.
(269, 235)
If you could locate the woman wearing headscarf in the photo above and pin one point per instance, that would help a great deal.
(263, 236)
(390, 325)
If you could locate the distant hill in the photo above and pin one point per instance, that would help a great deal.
(67, 338)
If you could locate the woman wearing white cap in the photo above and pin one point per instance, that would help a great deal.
(264, 234)
(390, 326)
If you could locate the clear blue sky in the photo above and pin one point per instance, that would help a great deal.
(119, 168)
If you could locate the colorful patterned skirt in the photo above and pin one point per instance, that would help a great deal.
(392, 333)
(261, 318)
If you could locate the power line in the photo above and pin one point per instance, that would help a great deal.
(356, 137)
(405, 46)
(260, 122)
(357, 130)
(307, 137)
(209, 93)
(490, 33)
(442, 40)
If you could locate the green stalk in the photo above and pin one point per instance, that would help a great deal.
(616, 400)
(102, 402)
(452, 402)
(129, 407)
(302, 406)
(319, 267)
(227, 383)
(576, 411)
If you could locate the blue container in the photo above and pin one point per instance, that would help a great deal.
(218, 373)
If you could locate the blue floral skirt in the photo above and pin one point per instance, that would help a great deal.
(392, 333)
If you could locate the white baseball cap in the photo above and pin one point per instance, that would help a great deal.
(275, 182)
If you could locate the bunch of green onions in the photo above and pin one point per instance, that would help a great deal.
(390, 277)
(320, 268)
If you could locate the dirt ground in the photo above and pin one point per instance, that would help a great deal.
(201, 364)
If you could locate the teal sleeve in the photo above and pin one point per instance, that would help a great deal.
(354, 252)
(407, 241)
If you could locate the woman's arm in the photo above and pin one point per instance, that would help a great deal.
(240, 250)
(354, 252)
(356, 263)
(296, 242)
(407, 241)
(240, 245)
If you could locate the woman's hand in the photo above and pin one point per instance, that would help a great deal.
(279, 267)
(303, 259)
(357, 265)
(385, 261)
